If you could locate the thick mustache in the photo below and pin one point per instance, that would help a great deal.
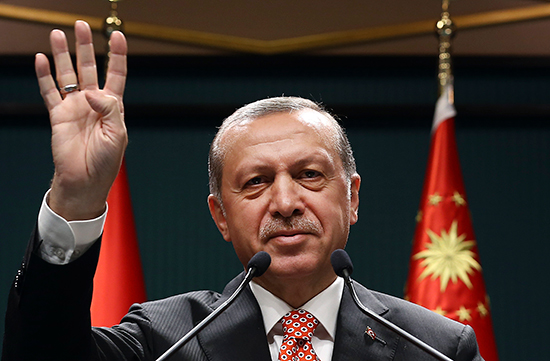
(299, 224)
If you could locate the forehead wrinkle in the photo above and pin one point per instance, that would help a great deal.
(278, 143)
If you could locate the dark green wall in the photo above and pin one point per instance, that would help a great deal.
(174, 104)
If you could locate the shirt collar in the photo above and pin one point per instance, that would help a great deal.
(323, 306)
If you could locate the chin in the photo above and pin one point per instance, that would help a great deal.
(294, 267)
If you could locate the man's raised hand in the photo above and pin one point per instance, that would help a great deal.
(88, 132)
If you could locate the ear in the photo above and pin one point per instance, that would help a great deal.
(354, 199)
(218, 216)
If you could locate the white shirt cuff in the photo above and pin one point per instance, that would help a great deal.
(62, 241)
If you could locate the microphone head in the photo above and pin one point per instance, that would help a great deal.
(340, 261)
(260, 262)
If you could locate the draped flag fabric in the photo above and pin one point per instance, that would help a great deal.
(118, 282)
(445, 272)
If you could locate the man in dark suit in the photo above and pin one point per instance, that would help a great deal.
(282, 180)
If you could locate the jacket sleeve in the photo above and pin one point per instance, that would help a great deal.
(48, 314)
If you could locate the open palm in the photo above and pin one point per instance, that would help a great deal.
(88, 131)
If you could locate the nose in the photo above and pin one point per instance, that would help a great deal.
(286, 197)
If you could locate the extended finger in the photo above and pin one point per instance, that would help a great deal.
(48, 89)
(117, 70)
(85, 57)
(63, 65)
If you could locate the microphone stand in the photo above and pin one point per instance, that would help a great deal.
(415, 341)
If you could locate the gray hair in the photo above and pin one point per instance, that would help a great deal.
(263, 108)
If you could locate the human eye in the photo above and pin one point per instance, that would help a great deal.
(311, 174)
(312, 179)
(255, 186)
(254, 181)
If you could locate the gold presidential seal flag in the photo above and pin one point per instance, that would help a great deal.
(445, 273)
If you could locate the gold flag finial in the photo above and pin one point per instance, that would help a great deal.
(445, 30)
(111, 23)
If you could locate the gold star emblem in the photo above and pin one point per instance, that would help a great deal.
(440, 311)
(434, 199)
(463, 314)
(458, 199)
(482, 309)
(448, 257)
(418, 216)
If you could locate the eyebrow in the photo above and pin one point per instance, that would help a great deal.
(317, 157)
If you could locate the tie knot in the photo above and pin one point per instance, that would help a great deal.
(299, 324)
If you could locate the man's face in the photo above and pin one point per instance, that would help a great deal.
(285, 192)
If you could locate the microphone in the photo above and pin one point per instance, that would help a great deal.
(344, 268)
(258, 264)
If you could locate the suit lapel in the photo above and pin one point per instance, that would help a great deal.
(352, 342)
(238, 333)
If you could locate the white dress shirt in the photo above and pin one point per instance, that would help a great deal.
(324, 307)
(64, 242)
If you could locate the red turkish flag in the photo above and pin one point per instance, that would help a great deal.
(445, 272)
(118, 282)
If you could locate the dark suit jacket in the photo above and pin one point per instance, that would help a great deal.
(48, 319)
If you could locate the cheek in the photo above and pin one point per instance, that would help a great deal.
(335, 220)
(334, 209)
(244, 220)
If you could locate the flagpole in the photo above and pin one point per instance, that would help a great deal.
(445, 29)
(110, 24)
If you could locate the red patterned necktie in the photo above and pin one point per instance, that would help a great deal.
(298, 328)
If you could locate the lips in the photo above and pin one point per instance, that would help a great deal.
(289, 237)
(288, 233)
(288, 240)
